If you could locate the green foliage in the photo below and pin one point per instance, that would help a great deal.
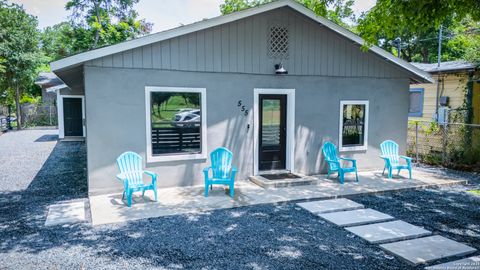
(19, 51)
(335, 10)
(96, 23)
(26, 98)
(56, 41)
(417, 24)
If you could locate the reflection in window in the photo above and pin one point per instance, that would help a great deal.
(175, 122)
(353, 124)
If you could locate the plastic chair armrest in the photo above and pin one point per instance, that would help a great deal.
(121, 177)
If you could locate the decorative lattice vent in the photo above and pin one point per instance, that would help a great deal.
(278, 42)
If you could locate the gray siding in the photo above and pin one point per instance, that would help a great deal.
(241, 47)
(115, 112)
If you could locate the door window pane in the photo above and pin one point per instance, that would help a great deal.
(271, 122)
(175, 122)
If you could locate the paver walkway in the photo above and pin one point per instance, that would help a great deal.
(388, 231)
(472, 263)
(356, 217)
(328, 206)
(427, 249)
(415, 251)
(171, 201)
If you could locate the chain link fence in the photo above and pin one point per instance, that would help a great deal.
(452, 145)
(33, 115)
(37, 115)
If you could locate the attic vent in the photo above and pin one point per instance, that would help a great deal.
(278, 42)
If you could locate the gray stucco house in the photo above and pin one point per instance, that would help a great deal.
(176, 95)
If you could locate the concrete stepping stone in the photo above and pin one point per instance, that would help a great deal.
(356, 217)
(328, 206)
(388, 231)
(466, 264)
(427, 249)
(72, 212)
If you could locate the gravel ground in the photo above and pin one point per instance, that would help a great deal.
(269, 236)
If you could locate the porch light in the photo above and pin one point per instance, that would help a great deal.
(280, 70)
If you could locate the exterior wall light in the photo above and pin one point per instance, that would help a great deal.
(280, 70)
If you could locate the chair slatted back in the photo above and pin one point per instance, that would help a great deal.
(221, 159)
(390, 149)
(330, 153)
(130, 165)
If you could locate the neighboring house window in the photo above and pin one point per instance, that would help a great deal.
(278, 42)
(416, 102)
(353, 125)
(176, 124)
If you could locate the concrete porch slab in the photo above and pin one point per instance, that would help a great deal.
(356, 217)
(427, 249)
(388, 231)
(472, 263)
(65, 213)
(327, 206)
(109, 208)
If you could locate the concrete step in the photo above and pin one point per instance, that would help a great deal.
(388, 231)
(328, 206)
(427, 249)
(356, 217)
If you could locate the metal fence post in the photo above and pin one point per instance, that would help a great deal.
(444, 143)
(416, 142)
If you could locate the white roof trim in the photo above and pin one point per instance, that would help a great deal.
(78, 59)
(56, 88)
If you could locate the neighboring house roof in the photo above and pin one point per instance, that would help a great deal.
(450, 66)
(48, 79)
(76, 60)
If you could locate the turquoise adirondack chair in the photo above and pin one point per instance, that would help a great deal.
(333, 161)
(130, 165)
(392, 158)
(223, 173)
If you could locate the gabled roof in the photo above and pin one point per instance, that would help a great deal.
(76, 60)
(47, 79)
(450, 66)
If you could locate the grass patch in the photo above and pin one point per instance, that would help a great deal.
(474, 192)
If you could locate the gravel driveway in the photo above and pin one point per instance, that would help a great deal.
(269, 236)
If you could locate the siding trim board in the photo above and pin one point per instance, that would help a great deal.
(76, 60)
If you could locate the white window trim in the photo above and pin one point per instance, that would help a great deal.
(61, 123)
(290, 140)
(203, 110)
(340, 139)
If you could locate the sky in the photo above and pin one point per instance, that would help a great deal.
(164, 14)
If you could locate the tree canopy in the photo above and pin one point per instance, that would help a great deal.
(19, 50)
(416, 23)
(338, 11)
(93, 24)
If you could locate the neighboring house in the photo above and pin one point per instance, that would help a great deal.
(455, 95)
(176, 95)
(47, 80)
(69, 104)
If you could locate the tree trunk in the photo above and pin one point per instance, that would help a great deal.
(97, 33)
(19, 108)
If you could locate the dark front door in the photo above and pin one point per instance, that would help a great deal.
(73, 116)
(273, 112)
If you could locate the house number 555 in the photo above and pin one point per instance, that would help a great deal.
(242, 107)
